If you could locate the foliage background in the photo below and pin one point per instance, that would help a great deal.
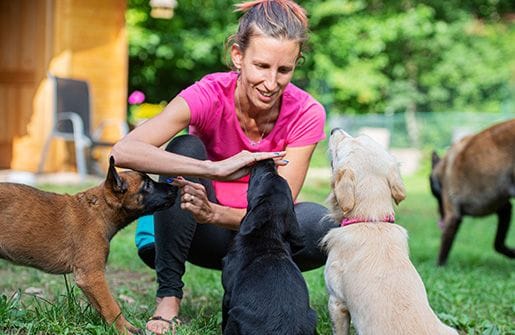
(363, 56)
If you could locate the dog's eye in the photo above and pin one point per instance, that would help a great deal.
(147, 186)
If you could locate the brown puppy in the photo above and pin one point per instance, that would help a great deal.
(368, 274)
(61, 233)
(476, 177)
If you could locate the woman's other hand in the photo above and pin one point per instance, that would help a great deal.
(194, 199)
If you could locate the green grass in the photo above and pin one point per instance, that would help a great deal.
(475, 292)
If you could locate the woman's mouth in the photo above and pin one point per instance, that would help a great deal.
(265, 96)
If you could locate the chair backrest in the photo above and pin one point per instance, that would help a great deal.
(72, 95)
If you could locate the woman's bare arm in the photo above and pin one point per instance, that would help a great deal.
(296, 170)
(140, 149)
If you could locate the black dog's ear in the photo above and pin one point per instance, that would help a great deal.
(258, 214)
(113, 178)
(245, 226)
(434, 159)
(294, 235)
(253, 219)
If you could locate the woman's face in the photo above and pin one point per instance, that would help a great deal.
(267, 66)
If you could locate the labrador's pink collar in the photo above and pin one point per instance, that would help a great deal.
(347, 221)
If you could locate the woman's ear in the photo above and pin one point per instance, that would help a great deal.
(300, 59)
(236, 56)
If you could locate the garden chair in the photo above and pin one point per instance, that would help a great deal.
(72, 122)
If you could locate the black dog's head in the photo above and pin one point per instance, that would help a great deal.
(270, 205)
(265, 183)
(136, 193)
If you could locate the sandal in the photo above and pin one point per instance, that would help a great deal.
(173, 322)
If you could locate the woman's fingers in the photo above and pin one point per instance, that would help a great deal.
(259, 156)
(194, 199)
(190, 189)
(181, 182)
(281, 162)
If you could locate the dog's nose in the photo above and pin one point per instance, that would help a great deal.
(341, 131)
(335, 129)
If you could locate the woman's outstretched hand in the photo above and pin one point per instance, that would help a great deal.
(239, 165)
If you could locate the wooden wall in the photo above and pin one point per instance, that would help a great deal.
(24, 55)
(83, 39)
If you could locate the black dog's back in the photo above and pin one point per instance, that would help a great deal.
(265, 292)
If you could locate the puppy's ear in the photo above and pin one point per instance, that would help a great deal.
(434, 159)
(249, 222)
(344, 189)
(396, 185)
(294, 236)
(113, 179)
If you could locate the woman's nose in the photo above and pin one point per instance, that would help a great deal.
(271, 81)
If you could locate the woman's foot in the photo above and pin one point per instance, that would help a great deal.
(165, 316)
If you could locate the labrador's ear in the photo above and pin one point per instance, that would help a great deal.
(396, 185)
(344, 189)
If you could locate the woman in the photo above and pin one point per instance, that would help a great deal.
(234, 119)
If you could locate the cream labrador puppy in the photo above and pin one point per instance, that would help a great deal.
(368, 273)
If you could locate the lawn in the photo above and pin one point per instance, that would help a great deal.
(475, 292)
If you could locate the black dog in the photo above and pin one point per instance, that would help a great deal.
(265, 292)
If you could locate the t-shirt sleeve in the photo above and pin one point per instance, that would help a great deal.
(309, 127)
(202, 100)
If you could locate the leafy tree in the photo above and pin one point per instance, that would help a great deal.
(363, 56)
(165, 56)
(408, 56)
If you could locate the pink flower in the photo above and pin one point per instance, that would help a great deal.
(136, 98)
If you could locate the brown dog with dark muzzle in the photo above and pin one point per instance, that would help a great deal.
(61, 233)
(476, 177)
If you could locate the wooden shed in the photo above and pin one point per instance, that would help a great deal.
(80, 39)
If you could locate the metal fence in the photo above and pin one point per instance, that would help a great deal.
(419, 130)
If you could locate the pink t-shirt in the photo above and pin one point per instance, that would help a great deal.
(213, 119)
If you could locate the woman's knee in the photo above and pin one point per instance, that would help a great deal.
(309, 214)
(187, 145)
(314, 223)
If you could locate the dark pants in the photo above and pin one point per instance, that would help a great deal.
(178, 238)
